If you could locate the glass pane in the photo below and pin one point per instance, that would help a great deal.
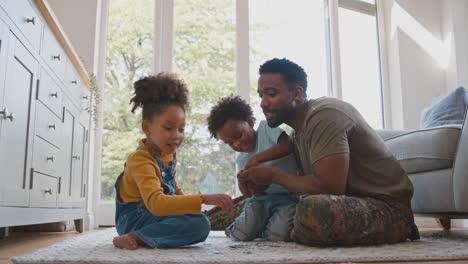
(290, 29)
(360, 69)
(128, 58)
(204, 56)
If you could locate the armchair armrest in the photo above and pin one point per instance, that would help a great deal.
(460, 170)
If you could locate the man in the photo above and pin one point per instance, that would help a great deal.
(354, 192)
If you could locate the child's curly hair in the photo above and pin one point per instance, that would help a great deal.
(230, 107)
(153, 93)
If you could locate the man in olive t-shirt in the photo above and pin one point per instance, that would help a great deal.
(354, 191)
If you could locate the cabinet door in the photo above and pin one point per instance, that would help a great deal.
(16, 128)
(65, 179)
(77, 165)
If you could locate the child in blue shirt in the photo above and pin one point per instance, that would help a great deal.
(269, 214)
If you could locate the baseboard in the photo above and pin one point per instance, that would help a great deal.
(425, 222)
(460, 223)
(429, 222)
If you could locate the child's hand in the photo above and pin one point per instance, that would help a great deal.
(243, 181)
(253, 161)
(222, 200)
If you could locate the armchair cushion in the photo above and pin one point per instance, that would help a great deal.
(423, 150)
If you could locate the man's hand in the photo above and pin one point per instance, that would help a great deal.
(261, 175)
(247, 186)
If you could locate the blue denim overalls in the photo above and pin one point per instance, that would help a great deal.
(159, 231)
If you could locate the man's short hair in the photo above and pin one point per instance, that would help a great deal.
(292, 73)
(230, 107)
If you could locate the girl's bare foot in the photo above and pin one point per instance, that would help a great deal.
(125, 241)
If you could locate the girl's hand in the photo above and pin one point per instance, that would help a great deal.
(222, 200)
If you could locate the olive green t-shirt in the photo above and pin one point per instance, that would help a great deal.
(332, 126)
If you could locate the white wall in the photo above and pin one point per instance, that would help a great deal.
(416, 58)
(454, 30)
(78, 19)
(427, 51)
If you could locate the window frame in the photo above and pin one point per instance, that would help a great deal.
(102, 212)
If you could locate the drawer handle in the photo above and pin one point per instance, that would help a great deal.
(56, 57)
(51, 158)
(54, 94)
(31, 20)
(52, 126)
(49, 191)
(85, 97)
(76, 157)
(74, 82)
(6, 116)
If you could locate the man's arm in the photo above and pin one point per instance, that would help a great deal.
(283, 148)
(329, 177)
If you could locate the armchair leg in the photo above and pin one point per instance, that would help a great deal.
(443, 223)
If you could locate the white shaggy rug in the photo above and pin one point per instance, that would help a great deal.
(96, 247)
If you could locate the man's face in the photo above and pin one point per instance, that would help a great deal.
(277, 99)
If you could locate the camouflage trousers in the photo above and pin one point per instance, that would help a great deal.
(330, 220)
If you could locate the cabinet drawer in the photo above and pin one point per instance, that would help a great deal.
(48, 126)
(50, 94)
(44, 191)
(26, 18)
(74, 84)
(46, 157)
(53, 54)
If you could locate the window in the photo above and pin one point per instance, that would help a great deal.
(129, 38)
(275, 33)
(204, 56)
(359, 57)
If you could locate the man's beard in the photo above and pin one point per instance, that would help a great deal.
(281, 115)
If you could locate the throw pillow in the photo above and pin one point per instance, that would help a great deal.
(448, 110)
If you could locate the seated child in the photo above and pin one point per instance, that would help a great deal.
(151, 209)
(270, 213)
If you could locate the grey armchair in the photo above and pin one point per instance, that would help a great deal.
(436, 160)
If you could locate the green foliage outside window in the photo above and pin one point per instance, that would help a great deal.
(204, 57)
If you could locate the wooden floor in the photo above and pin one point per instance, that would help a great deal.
(21, 243)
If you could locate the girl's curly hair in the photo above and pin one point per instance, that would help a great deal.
(230, 107)
(154, 93)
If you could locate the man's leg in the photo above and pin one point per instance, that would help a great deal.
(329, 220)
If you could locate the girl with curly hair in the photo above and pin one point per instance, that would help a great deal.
(151, 209)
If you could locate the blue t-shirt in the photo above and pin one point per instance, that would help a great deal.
(267, 137)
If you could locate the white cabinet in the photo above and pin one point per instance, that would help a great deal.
(44, 120)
